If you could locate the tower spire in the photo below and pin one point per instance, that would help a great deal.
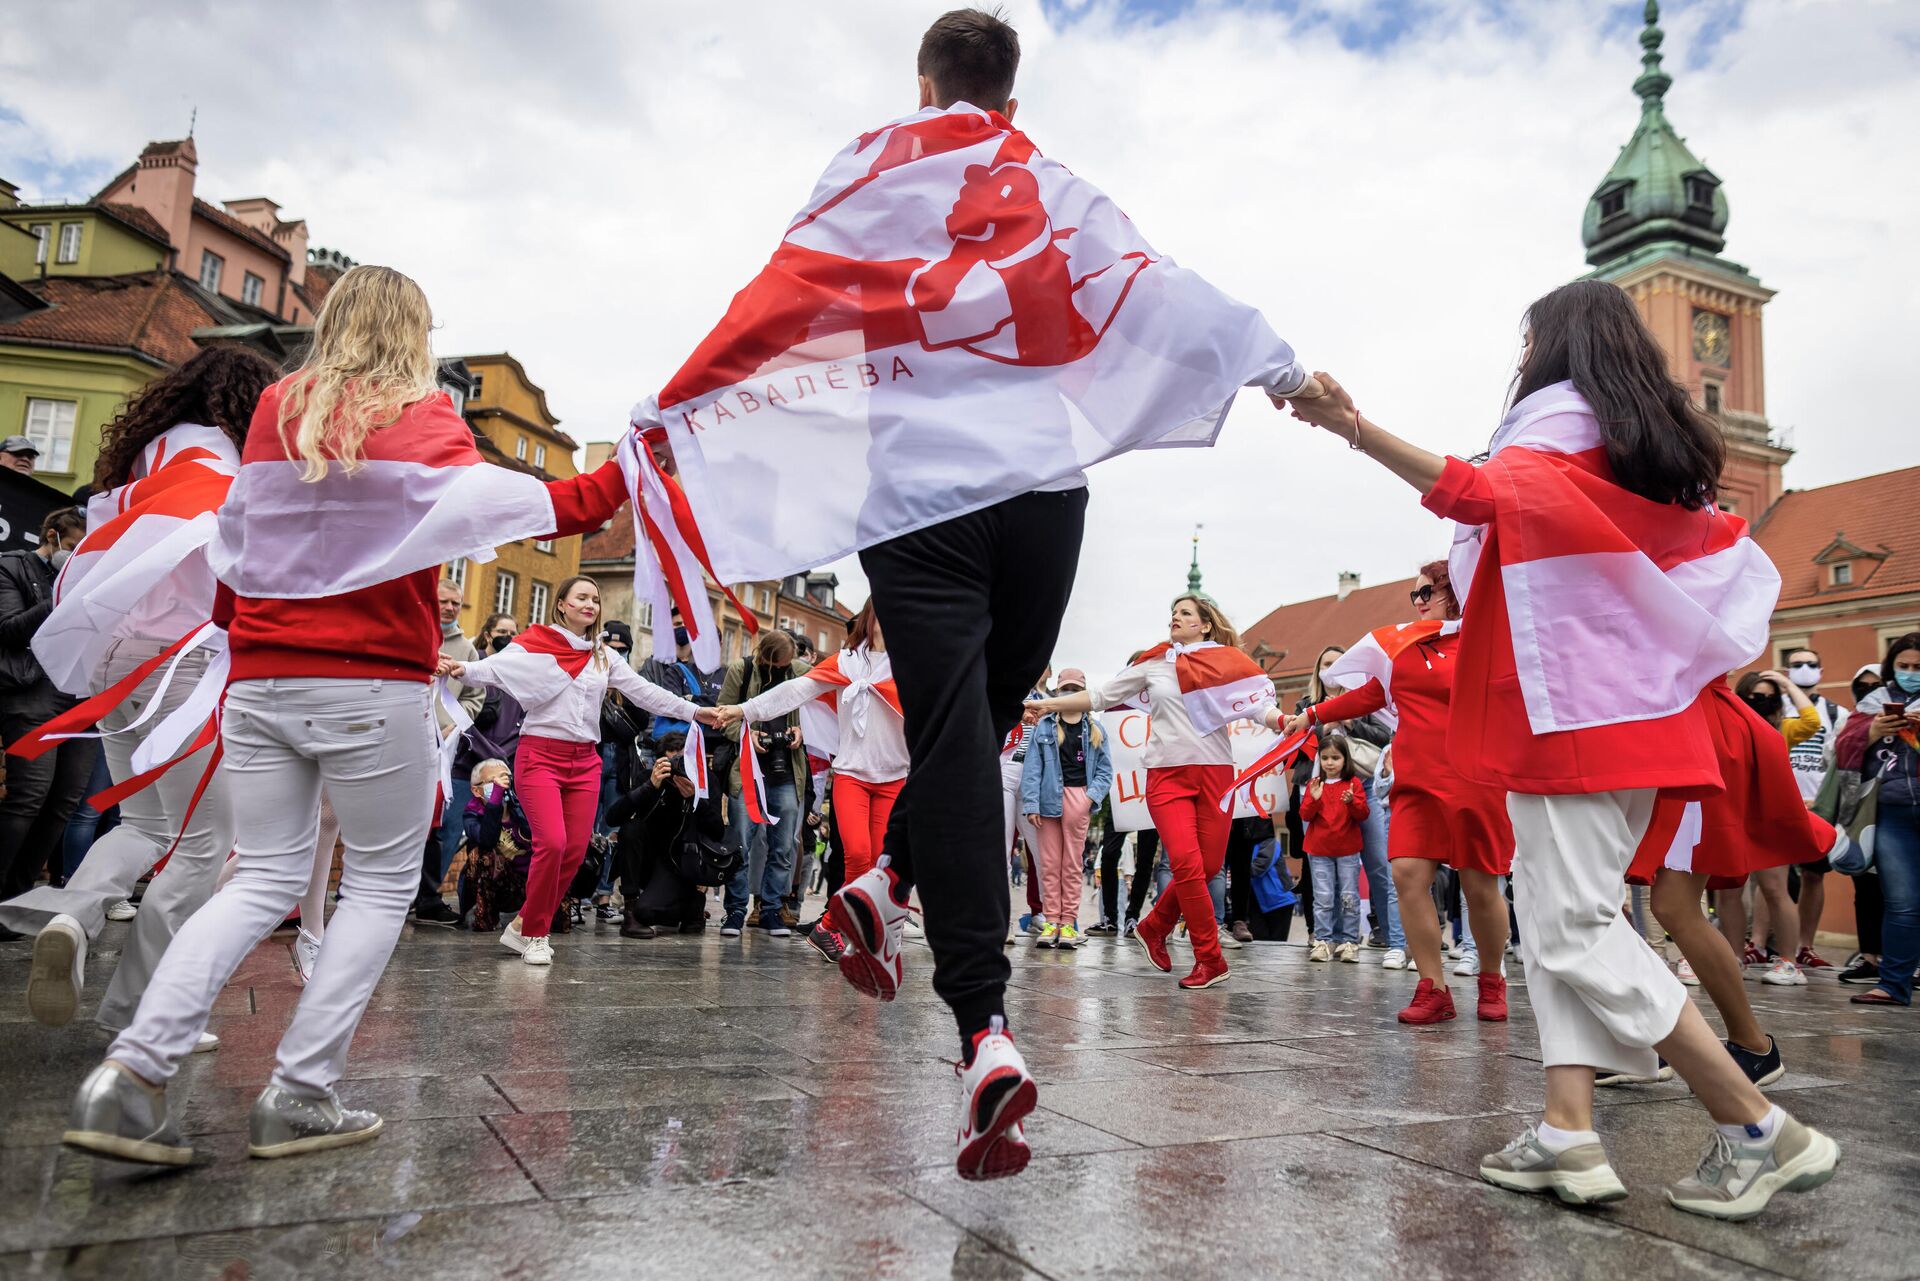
(1653, 83)
(1193, 569)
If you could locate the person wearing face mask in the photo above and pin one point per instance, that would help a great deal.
(767, 848)
(659, 821)
(680, 675)
(1767, 693)
(1812, 757)
(1882, 741)
(42, 793)
(496, 726)
(443, 842)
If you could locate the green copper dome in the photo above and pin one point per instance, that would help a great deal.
(1658, 192)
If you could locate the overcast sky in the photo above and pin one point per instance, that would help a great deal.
(586, 185)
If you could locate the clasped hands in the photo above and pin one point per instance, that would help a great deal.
(1324, 403)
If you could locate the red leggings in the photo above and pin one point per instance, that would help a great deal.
(861, 810)
(1184, 803)
(559, 786)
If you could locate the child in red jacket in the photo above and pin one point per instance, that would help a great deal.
(1332, 810)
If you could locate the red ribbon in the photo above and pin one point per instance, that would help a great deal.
(690, 530)
(84, 716)
(1279, 755)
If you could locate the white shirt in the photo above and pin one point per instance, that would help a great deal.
(573, 715)
(873, 740)
(1154, 686)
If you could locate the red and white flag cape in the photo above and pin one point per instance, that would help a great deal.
(820, 718)
(538, 665)
(951, 319)
(1218, 684)
(1371, 659)
(421, 497)
(1593, 572)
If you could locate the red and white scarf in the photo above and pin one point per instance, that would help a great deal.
(1372, 657)
(1218, 684)
(1593, 572)
(540, 663)
(851, 695)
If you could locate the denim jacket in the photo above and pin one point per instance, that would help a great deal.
(1040, 785)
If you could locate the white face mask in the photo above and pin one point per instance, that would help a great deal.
(1805, 675)
(59, 557)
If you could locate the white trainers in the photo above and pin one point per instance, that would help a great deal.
(1581, 1175)
(207, 1044)
(1395, 959)
(512, 939)
(124, 910)
(1784, 973)
(1469, 962)
(996, 1094)
(1455, 951)
(539, 951)
(1320, 951)
(871, 924)
(306, 952)
(59, 971)
(1228, 941)
(1736, 1180)
(1348, 952)
(1684, 972)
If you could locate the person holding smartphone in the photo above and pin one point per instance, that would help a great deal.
(1882, 740)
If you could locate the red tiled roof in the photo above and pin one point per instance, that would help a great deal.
(221, 218)
(1305, 628)
(150, 312)
(1880, 514)
(139, 219)
(614, 543)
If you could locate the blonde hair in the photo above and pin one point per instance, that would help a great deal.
(1223, 632)
(369, 360)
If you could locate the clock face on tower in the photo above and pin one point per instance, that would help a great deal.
(1712, 340)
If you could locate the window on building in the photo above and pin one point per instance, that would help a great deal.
(455, 572)
(1700, 194)
(504, 584)
(210, 265)
(1712, 392)
(539, 596)
(42, 231)
(50, 427)
(543, 545)
(539, 455)
(251, 287)
(1614, 202)
(820, 642)
(1843, 574)
(766, 600)
(478, 380)
(520, 448)
(646, 615)
(70, 241)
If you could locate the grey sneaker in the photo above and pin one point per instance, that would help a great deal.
(1579, 1176)
(117, 1115)
(59, 971)
(1736, 1180)
(284, 1124)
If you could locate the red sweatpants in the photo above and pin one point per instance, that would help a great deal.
(559, 786)
(861, 810)
(1184, 803)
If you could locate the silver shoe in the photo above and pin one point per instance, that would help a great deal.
(116, 1115)
(59, 971)
(284, 1124)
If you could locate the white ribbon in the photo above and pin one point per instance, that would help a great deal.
(695, 754)
(184, 721)
(210, 635)
(450, 743)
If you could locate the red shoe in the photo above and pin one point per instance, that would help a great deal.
(1430, 1005)
(1205, 974)
(1493, 999)
(997, 1093)
(1156, 946)
(869, 924)
(1812, 960)
(1753, 956)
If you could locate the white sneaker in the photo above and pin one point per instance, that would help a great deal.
(306, 951)
(512, 939)
(124, 910)
(1469, 963)
(1736, 1180)
(1395, 959)
(871, 924)
(1228, 941)
(1684, 972)
(207, 1043)
(912, 929)
(1784, 973)
(1348, 952)
(1455, 951)
(1320, 951)
(59, 971)
(539, 951)
(996, 1094)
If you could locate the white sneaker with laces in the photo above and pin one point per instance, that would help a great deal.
(1320, 951)
(1684, 972)
(539, 951)
(1455, 951)
(1736, 1180)
(872, 925)
(1580, 1175)
(1395, 959)
(207, 1043)
(306, 952)
(124, 910)
(996, 1094)
(1469, 963)
(512, 939)
(1784, 973)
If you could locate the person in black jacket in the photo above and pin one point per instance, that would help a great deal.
(657, 873)
(41, 794)
(679, 675)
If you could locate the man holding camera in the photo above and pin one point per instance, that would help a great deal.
(768, 848)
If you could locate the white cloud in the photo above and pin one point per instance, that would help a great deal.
(587, 184)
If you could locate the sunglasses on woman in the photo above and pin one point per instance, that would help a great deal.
(1422, 595)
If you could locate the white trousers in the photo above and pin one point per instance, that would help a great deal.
(313, 904)
(149, 820)
(1010, 771)
(373, 746)
(1601, 996)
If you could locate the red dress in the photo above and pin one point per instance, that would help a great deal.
(1436, 814)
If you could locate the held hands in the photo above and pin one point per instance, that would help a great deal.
(447, 667)
(1331, 408)
(1295, 723)
(718, 717)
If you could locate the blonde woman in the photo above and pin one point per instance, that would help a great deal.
(560, 672)
(357, 482)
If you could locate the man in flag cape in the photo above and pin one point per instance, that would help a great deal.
(954, 327)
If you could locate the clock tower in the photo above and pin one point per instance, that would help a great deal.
(1653, 227)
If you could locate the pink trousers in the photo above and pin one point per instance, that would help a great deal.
(559, 786)
(1061, 856)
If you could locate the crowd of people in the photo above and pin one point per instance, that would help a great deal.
(290, 680)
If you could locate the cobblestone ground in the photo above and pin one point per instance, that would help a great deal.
(692, 1106)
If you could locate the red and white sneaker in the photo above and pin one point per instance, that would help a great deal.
(870, 923)
(1811, 960)
(996, 1094)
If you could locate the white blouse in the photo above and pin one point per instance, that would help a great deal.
(573, 714)
(1154, 686)
(873, 741)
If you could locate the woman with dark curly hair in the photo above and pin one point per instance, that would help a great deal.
(136, 587)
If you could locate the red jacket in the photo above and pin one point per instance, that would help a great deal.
(390, 631)
(1333, 821)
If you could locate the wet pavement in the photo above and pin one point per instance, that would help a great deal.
(687, 1106)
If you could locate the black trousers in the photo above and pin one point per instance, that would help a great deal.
(972, 608)
(1868, 908)
(1241, 838)
(1146, 844)
(42, 795)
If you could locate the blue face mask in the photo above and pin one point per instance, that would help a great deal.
(1908, 681)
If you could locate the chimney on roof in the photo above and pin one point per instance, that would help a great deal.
(1349, 581)
(163, 186)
